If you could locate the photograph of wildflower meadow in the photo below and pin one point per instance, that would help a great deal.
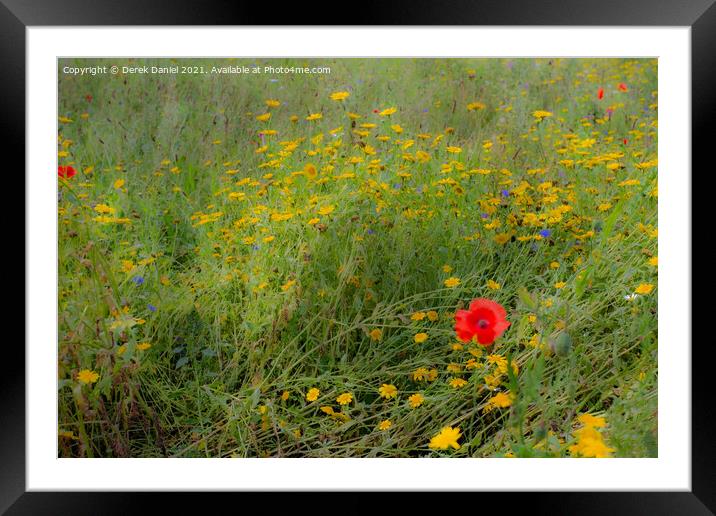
(357, 257)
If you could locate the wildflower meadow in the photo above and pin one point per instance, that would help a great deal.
(357, 258)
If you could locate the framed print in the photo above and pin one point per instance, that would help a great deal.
(449, 256)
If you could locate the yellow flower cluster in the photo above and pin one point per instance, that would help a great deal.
(589, 441)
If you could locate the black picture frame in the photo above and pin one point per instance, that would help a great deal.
(699, 15)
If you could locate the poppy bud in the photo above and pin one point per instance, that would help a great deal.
(561, 345)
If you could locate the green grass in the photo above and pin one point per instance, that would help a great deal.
(239, 320)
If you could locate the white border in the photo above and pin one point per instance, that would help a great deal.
(670, 471)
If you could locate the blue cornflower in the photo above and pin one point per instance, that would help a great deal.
(138, 280)
(151, 307)
(545, 233)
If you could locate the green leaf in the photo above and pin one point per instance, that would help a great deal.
(611, 221)
(526, 298)
(255, 397)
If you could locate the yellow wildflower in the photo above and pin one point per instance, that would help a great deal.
(644, 288)
(593, 421)
(452, 282)
(388, 391)
(86, 376)
(540, 114)
(340, 95)
(446, 438)
(457, 383)
(385, 424)
(420, 337)
(375, 334)
(415, 400)
(345, 398)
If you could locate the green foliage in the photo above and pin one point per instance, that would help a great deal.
(202, 288)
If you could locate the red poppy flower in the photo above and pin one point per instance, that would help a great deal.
(485, 320)
(88, 98)
(600, 93)
(622, 87)
(376, 111)
(66, 171)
